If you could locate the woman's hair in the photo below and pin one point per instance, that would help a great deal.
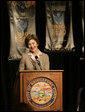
(29, 37)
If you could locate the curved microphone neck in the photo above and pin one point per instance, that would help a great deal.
(36, 57)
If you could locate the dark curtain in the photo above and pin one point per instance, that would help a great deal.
(68, 61)
(4, 39)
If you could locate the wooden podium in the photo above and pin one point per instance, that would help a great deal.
(42, 89)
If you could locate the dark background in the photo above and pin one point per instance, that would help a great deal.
(71, 62)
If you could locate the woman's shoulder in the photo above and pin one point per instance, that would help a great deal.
(44, 54)
(25, 55)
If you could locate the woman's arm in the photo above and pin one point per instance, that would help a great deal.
(22, 63)
(47, 63)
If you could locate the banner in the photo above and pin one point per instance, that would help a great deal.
(22, 22)
(56, 31)
(82, 16)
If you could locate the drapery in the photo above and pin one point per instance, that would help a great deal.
(58, 37)
(22, 22)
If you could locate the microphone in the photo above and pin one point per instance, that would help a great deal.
(36, 57)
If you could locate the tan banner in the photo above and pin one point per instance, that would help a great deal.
(82, 15)
(56, 27)
(22, 22)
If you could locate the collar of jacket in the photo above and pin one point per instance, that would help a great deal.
(33, 57)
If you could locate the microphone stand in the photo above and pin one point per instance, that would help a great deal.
(36, 57)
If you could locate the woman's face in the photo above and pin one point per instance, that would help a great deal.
(32, 45)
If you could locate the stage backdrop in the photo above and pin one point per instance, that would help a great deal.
(22, 22)
(59, 34)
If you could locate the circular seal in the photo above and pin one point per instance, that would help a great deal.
(41, 92)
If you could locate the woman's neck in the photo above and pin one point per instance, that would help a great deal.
(36, 52)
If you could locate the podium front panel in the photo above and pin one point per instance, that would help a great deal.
(42, 90)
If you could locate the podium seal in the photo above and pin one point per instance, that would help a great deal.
(41, 92)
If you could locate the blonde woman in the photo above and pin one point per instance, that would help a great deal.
(34, 59)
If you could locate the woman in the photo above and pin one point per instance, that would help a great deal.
(34, 59)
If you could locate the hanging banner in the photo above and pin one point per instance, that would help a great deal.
(22, 22)
(82, 16)
(56, 27)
